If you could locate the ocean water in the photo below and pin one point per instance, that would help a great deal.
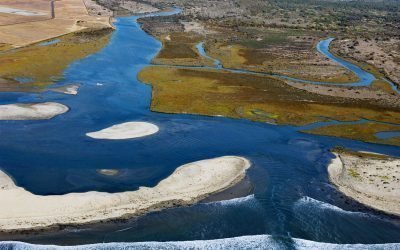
(292, 198)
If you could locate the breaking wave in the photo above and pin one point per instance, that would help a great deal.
(235, 201)
(308, 202)
(243, 242)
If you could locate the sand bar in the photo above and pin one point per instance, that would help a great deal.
(70, 89)
(22, 210)
(371, 179)
(31, 111)
(127, 130)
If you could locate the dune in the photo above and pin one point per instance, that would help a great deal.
(127, 130)
(23, 211)
(31, 111)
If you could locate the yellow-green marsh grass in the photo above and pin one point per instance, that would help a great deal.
(179, 48)
(257, 98)
(43, 63)
(363, 131)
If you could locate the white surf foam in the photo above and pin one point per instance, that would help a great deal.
(234, 201)
(307, 202)
(243, 242)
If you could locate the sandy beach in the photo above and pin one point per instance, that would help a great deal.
(188, 184)
(127, 130)
(31, 111)
(371, 179)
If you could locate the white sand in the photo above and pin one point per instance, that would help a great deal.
(371, 179)
(22, 210)
(31, 111)
(70, 89)
(127, 130)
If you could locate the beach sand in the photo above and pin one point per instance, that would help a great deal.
(70, 89)
(371, 179)
(127, 130)
(23, 211)
(31, 111)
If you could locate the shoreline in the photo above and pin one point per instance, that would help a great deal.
(368, 178)
(25, 212)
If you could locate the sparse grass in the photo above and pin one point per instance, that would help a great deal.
(384, 86)
(294, 57)
(353, 173)
(179, 48)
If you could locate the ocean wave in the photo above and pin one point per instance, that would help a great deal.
(242, 242)
(235, 201)
(308, 202)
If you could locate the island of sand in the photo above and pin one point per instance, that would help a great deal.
(127, 130)
(31, 111)
(188, 184)
(70, 89)
(371, 179)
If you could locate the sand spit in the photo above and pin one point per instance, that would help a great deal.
(371, 179)
(31, 111)
(188, 184)
(70, 89)
(127, 130)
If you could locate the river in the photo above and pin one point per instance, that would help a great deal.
(292, 196)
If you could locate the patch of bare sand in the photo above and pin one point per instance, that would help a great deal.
(370, 179)
(127, 130)
(31, 111)
(188, 184)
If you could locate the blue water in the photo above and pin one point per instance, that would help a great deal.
(292, 194)
(387, 134)
(200, 48)
(365, 78)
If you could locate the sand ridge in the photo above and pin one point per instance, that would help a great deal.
(31, 111)
(127, 130)
(192, 182)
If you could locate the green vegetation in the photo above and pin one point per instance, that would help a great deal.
(43, 63)
(260, 98)
(364, 131)
(353, 173)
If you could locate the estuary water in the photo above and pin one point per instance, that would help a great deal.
(292, 197)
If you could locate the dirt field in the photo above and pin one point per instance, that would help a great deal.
(69, 16)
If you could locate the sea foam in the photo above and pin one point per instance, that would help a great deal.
(242, 242)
